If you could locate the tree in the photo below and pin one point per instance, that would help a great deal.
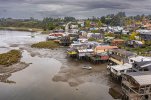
(121, 14)
(51, 26)
(99, 23)
(133, 36)
(103, 19)
(87, 23)
(68, 19)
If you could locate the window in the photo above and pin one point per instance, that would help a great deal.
(131, 61)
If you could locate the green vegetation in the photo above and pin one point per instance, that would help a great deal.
(143, 51)
(125, 37)
(91, 39)
(95, 31)
(148, 43)
(109, 35)
(27, 23)
(47, 23)
(133, 36)
(45, 45)
(10, 57)
(45, 32)
(118, 36)
(87, 23)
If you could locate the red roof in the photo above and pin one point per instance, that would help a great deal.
(56, 34)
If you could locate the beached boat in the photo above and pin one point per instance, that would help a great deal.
(87, 67)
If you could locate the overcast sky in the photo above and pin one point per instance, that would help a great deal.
(75, 8)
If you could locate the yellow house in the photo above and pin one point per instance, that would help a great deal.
(120, 56)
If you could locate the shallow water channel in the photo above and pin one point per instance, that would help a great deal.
(51, 74)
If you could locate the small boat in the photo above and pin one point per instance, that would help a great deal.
(51, 38)
(87, 67)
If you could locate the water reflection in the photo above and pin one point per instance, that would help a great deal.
(35, 82)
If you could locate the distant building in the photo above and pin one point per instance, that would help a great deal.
(134, 43)
(73, 26)
(146, 37)
(81, 23)
(95, 35)
(73, 31)
(93, 29)
(93, 24)
(117, 42)
(116, 29)
(143, 31)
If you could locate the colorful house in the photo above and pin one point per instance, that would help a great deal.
(146, 37)
(117, 42)
(120, 56)
(103, 48)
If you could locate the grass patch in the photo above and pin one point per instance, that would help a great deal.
(45, 32)
(92, 39)
(45, 45)
(10, 57)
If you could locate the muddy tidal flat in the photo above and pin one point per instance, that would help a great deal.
(44, 74)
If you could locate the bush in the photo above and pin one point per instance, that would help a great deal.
(10, 57)
(45, 45)
(91, 39)
(109, 35)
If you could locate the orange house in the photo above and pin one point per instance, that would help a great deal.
(100, 49)
(117, 42)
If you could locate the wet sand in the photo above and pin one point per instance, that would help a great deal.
(13, 68)
(51, 75)
(71, 70)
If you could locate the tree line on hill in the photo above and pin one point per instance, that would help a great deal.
(49, 23)
(119, 19)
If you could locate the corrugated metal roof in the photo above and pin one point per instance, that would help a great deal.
(124, 52)
(147, 65)
(140, 58)
(85, 50)
(142, 78)
(142, 64)
(122, 67)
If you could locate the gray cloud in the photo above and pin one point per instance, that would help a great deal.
(77, 8)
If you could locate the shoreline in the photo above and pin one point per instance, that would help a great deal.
(14, 67)
(21, 29)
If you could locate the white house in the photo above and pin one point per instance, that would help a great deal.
(73, 26)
